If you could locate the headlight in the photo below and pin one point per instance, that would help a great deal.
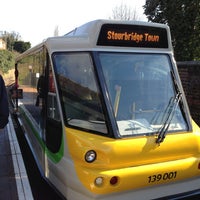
(90, 156)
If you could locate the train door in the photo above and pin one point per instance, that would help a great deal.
(53, 125)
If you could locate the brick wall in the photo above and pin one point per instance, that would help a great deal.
(189, 72)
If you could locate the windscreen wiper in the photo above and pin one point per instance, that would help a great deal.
(170, 110)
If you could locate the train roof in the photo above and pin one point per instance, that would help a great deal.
(122, 34)
(94, 27)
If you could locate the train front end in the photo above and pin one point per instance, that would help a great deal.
(128, 128)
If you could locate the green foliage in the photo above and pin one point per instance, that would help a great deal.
(14, 47)
(13, 42)
(6, 60)
(10, 39)
(21, 46)
(183, 17)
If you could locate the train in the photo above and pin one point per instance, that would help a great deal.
(105, 115)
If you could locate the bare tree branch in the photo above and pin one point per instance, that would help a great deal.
(124, 12)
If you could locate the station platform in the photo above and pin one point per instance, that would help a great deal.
(14, 183)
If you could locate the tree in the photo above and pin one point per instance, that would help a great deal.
(124, 12)
(183, 17)
(10, 39)
(6, 60)
(21, 46)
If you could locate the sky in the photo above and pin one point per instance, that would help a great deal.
(36, 20)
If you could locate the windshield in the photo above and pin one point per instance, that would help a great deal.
(140, 88)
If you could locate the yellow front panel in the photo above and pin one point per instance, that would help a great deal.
(140, 176)
(136, 162)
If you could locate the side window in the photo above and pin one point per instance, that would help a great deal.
(31, 79)
(52, 106)
(53, 121)
(79, 92)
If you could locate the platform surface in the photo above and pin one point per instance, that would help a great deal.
(14, 183)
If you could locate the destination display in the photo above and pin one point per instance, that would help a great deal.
(133, 36)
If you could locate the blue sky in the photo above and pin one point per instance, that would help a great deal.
(37, 20)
